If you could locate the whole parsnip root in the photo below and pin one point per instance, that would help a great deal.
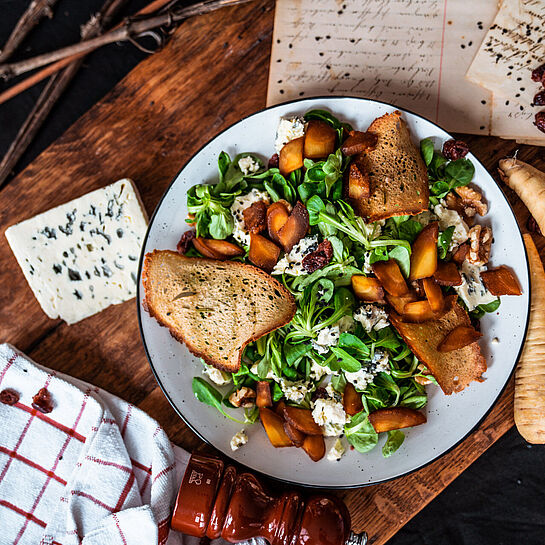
(528, 183)
(530, 373)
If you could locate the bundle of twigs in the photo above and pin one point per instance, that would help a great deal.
(157, 20)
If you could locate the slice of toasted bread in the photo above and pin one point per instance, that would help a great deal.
(452, 370)
(215, 307)
(397, 173)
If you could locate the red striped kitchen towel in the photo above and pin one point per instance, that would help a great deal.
(79, 465)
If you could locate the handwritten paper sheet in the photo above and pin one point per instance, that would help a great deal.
(412, 53)
(512, 48)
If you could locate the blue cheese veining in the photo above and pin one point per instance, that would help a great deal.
(379, 364)
(371, 317)
(472, 290)
(288, 129)
(292, 263)
(82, 256)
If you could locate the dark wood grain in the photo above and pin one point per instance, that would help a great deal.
(213, 72)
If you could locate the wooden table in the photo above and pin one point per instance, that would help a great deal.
(213, 72)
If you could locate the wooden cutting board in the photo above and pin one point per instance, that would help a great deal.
(212, 73)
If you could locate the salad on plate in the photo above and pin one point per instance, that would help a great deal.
(382, 246)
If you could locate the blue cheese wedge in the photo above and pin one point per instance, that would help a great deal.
(82, 256)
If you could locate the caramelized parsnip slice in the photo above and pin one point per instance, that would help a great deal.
(274, 427)
(447, 274)
(458, 338)
(395, 418)
(291, 156)
(424, 252)
(319, 139)
(279, 409)
(359, 184)
(314, 446)
(434, 294)
(223, 248)
(302, 420)
(296, 436)
(295, 228)
(367, 289)
(255, 217)
(263, 394)
(389, 275)
(418, 311)
(359, 142)
(501, 281)
(460, 255)
(202, 248)
(399, 302)
(421, 311)
(277, 216)
(351, 400)
(263, 253)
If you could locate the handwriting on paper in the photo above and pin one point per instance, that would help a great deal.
(412, 53)
(513, 47)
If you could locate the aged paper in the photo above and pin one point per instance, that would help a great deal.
(512, 48)
(412, 53)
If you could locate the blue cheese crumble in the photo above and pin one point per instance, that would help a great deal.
(451, 218)
(248, 165)
(329, 414)
(239, 439)
(288, 129)
(221, 378)
(472, 290)
(371, 317)
(360, 379)
(293, 391)
(336, 451)
(292, 263)
(328, 336)
(82, 256)
(240, 234)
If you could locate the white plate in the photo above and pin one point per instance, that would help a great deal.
(450, 418)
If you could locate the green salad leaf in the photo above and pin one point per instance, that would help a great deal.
(207, 394)
(443, 241)
(394, 441)
(360, 433)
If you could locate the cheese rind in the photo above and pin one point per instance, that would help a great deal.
(82, 256)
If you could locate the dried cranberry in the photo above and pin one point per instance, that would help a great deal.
(320, 393)
(42, 401)
(319, 258)
(9, 396)
(185, 242)
(537, 73)
(455, 149)
(532, 226)
(540, 121)
(274, 161)
(539, 98)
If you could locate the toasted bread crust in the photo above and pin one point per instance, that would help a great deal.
(453, 370)
(239, 269)
(398, 175)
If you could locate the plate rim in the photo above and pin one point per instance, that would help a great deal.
(227, 455)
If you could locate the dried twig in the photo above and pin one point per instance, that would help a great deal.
(131, 29)
(32, 80)
(54, 89)
(30, 18)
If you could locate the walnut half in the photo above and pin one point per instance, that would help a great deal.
(480, 242)
(472, 201)
(244, 397)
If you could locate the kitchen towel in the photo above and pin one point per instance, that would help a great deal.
(79, 465)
